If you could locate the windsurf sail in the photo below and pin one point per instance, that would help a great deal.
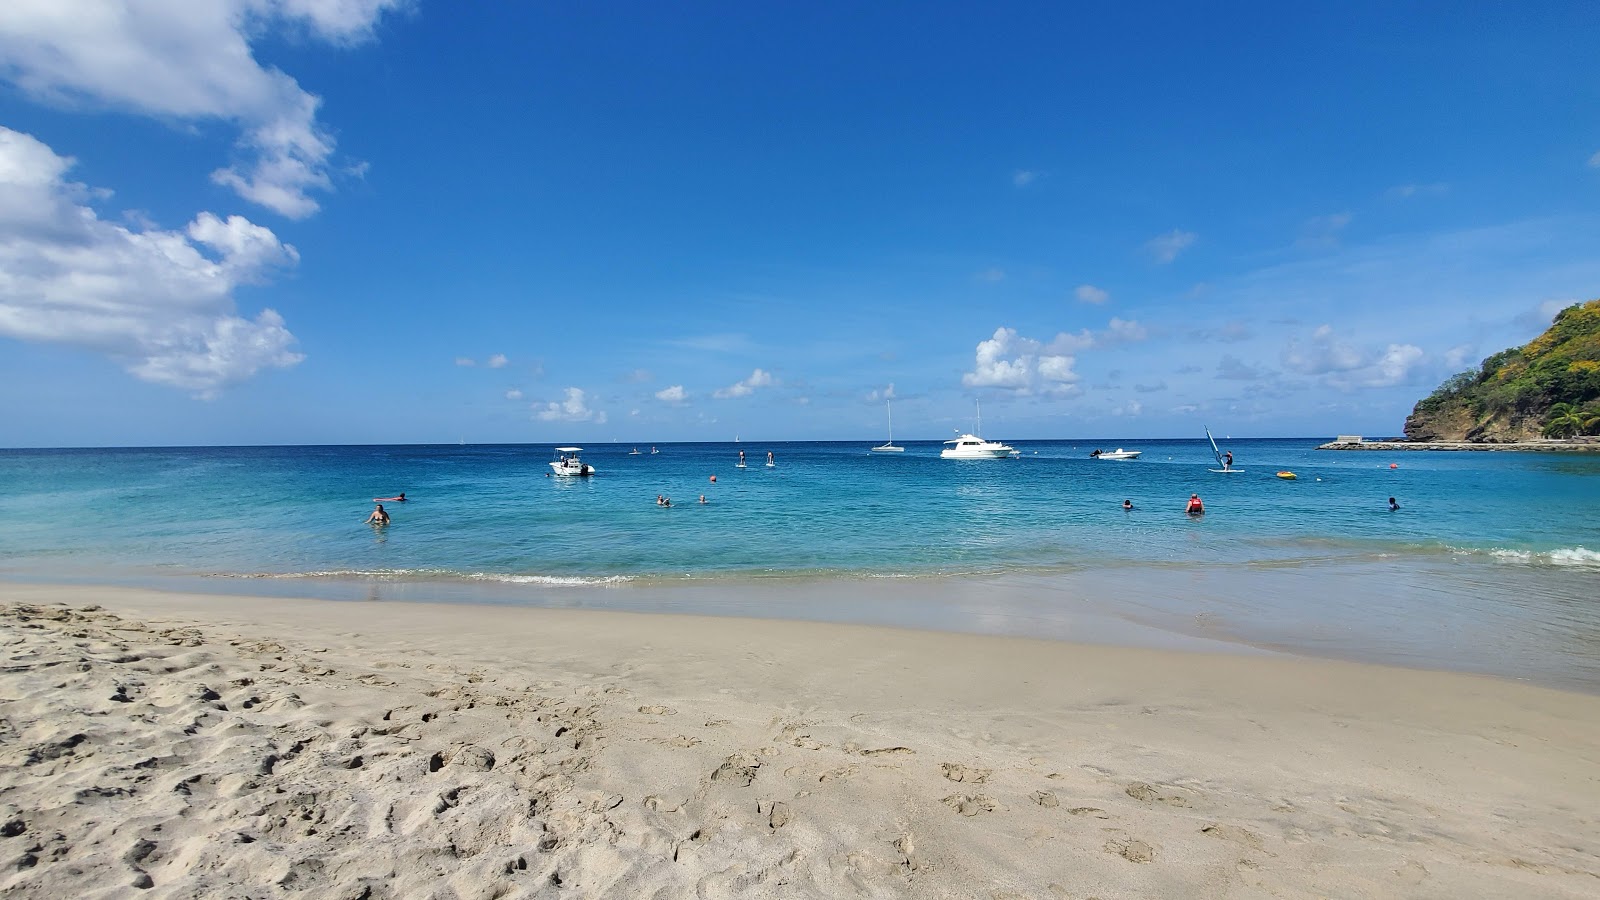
(1214, 451)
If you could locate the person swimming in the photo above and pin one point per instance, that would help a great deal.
(1394, 505)
(1195, 508)
(1127, 506)
(702, 499)
(379, 516)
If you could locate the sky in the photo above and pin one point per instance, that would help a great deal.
(404, 221)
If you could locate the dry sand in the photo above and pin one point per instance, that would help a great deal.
(168, 745)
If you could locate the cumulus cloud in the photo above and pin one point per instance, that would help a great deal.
(675, 395)
(497, 361)
(575, 408)
(1008, 361)
(758, 379)
(1023, 177)
(886, 394)
(466, 361)
(191, 62)
(1343, 365)
(513, 394)
(1121, 331)
(1088, 293)
(159, 303)
(1165, 248)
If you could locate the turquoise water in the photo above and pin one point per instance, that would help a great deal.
(1478, 533)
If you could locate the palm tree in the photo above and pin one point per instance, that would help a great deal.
(1564, 421)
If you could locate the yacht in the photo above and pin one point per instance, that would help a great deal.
(1118, 453)
(890, 446)
(568, 463)
(970, 446)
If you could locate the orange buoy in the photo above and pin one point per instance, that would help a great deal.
(713, 479)
(1394, 465)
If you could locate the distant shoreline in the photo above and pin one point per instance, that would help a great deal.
(1577, 445)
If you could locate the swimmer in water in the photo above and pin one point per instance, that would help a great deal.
(702, 499)
(1127, 506)
(378, 517)
(1394, 506)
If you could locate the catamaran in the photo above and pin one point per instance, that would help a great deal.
(890, 446)
(1222, 465)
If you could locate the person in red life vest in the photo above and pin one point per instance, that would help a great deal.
(1196, 508)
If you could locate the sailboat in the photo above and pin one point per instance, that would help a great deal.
(1222, 467)
(889, 447)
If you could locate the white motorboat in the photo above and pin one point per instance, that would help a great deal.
(568, 463)
(1118, 453)
(970, 446)
(890, 446)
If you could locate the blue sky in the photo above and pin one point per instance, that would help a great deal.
(373, 221)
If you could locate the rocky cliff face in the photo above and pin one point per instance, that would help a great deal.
(1457, 423)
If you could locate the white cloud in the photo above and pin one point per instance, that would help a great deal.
(1023, 177)
(1088, 293)
(1165, 248)
(466, 361)
(497, 361)
(190, 62)
(674, 395)
(1342, 365)
(886, 394)
(1011, 362)
(1131, 408)
(638, 376)
(1121, 331)
(160, 303)
(757, 379)
(573, 409)
(513, 394)
(1594, 161)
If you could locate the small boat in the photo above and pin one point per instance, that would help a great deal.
(568, 463)
(654, 451)
(1287, 475)
(890, 446)
(634, 452)
(1118, 453)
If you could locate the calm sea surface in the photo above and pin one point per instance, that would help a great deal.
(1492, 563)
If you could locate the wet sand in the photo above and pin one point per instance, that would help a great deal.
(196, 745)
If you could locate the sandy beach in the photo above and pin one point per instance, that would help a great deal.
(206, 746)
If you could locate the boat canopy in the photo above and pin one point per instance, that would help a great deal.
(568, 449)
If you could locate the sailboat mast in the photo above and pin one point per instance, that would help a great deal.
(890, 407)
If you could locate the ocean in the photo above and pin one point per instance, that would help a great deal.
(1491, 563)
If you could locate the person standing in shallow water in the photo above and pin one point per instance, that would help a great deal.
(378, 517)
(1195, 508)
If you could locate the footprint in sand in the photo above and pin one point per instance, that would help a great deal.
(969, 805)
(658, 710)
(1045, 798)
(1151, 794)
(965, 774)
(1131, 849)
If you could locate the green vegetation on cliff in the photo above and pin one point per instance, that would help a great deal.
(1549, 388)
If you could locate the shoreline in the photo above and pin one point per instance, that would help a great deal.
(204, 744)
(1552, 445)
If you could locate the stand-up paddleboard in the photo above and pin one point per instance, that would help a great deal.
(772, 465)
(740, 466)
